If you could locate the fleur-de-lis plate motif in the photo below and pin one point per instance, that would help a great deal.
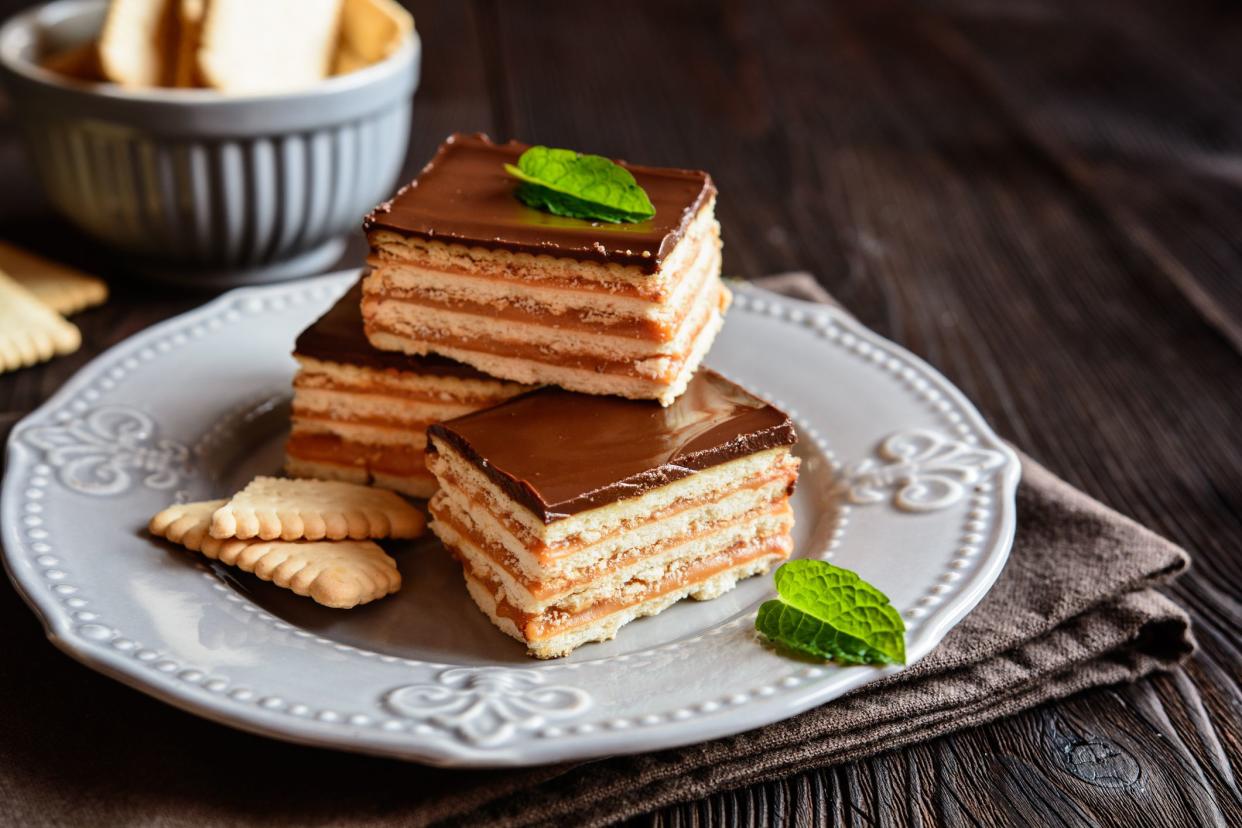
(925, 471)
(102, 452)
(487, 706)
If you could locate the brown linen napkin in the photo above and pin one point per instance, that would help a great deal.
(1075, 607)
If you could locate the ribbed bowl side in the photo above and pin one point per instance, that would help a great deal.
(218, 203)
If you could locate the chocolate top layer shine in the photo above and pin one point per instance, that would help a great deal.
(559, 453)
(465, 196)
(337, 336)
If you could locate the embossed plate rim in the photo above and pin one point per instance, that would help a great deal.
(514, 711)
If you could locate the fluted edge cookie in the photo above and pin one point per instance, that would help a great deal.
(186, 523)
(31, 332)
(337, 574)
(273, 507)
(64, 289)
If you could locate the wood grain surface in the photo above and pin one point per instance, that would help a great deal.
(1043, 199)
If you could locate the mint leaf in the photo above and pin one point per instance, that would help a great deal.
(568, 183)
(550, 201)
(828, 612)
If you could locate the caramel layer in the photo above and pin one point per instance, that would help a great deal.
(302, 415)
(537, 353)
(338, 336)
(543, 590)
(386, 383)
(392, 253)
(409, 256)
(399, 461)
(525, 308)
(534, 353)
(546, 554)
(588, 320)
(553, 622)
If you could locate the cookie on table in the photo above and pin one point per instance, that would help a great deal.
(62, 288)
(337, 574)
(273, 507)
(361, 414)
(31, 332)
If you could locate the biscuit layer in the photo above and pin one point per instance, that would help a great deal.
(542, 320)
(556, 635)
(368, 425)
(578, 579)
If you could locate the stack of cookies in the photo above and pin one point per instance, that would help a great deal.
(461, 268)
(361, 414)
(581, 466)
(236, 47)
(36, 295)
(314, 537)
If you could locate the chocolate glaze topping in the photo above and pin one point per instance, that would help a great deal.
(337, 336)
(559, 453)
(464, 195)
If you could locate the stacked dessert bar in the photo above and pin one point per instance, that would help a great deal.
(361, 414)
(574, 514)
(459, 267)
(631, 480)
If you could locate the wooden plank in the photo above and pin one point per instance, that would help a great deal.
(1137, 120)
(1074, 334)
(943, 175)
(453, 92)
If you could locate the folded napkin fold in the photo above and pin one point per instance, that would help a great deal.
(1075, 607)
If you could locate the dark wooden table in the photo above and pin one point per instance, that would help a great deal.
(1044, 199)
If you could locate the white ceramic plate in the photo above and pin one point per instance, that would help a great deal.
(901, 481)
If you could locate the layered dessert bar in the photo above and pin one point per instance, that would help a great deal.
(361, 414)
(572, 515)
(462, 268)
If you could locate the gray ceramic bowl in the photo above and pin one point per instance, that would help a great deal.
(201, 187)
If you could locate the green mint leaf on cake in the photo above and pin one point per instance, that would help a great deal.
(568, 183)
(828, 612)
